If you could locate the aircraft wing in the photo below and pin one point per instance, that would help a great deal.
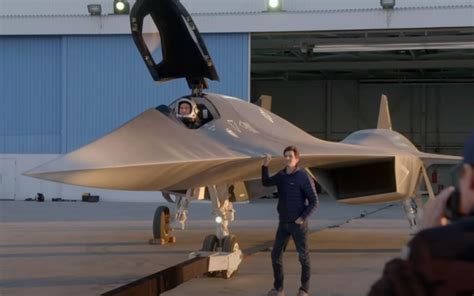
(432, 158)
(155, 152)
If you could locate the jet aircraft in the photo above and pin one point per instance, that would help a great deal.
(220, 159)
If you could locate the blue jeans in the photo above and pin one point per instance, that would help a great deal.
(299, 233)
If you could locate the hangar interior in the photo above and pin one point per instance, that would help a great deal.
(329, 83)
(67, 82)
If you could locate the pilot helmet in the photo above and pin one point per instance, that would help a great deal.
(192, 115)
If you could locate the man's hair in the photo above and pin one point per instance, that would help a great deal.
(292, 148)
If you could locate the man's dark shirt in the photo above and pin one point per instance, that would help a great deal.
(297, 195)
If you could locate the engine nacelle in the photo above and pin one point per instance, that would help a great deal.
(238, 192)
(373, 181)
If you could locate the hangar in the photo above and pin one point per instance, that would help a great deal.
(69, 77)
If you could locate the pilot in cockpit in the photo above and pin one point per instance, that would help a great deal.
(188, 112)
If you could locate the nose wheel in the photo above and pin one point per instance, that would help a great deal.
(230, 245)
(211, 244)
(226, 245)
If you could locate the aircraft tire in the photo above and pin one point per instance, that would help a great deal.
(229, 244)
(161, 223)
(211, 244)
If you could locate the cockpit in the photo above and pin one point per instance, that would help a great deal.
(191, 111)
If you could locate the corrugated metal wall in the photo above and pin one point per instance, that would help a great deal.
(436, 117)
(61, 92)
(30, 94)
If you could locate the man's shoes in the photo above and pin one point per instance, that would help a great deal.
(275, 292)
(302, 293)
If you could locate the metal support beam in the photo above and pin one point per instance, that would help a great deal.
(328, 85)
(424, 117)
(369, 65)
(296, 42)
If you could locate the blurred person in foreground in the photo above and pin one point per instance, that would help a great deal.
(439, 260)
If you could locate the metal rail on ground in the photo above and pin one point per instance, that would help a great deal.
(170, 278)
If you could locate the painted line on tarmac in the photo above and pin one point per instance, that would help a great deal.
(266, 246)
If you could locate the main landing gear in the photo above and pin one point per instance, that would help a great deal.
(414, 206)
(222, 248)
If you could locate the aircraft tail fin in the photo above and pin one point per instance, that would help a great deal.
(384, 114)
(265, 102)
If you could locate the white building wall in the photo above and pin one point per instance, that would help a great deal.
(27, 187)
(30, 17)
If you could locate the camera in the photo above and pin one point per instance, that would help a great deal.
(452, 212)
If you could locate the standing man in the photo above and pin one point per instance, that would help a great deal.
(297, 199)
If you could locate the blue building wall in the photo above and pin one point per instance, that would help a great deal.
(58, 93)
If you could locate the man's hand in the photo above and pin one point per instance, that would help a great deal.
(433, 212)
(267, 160)
(299, 221)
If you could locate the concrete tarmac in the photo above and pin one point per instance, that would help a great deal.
(75, 248)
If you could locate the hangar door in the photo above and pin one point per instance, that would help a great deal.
(7, 178)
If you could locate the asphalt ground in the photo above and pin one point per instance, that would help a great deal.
(75, 248)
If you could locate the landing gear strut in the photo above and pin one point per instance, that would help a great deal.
(164, 222)
(222, 241)
(222, 209)
(222, 248)
(413, 210)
